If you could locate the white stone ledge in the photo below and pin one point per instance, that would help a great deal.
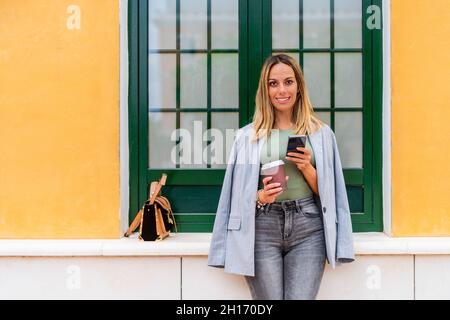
(197, 244)
(379, 243)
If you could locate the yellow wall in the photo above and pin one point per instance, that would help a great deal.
(420, 117)
(59, 120)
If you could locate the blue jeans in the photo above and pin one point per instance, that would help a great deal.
(290, 251)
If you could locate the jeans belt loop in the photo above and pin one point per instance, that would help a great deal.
(264, 208)
(297, 205)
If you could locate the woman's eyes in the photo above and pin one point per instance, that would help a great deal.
(274, 83)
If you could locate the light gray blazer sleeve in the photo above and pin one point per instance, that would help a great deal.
(344, 247)
(216, 257)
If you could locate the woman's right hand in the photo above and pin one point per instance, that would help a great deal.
(271, 191)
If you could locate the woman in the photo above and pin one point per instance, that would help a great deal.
(280, 239)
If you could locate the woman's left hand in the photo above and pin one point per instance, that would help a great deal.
(302, 161)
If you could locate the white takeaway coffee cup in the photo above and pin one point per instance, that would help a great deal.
(275, 169)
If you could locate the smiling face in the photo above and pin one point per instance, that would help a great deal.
(283, 87)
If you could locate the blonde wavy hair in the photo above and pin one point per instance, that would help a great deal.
(303, 115)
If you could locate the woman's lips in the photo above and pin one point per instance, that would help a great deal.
(283, 100)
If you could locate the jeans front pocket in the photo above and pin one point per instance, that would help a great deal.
(311, 210)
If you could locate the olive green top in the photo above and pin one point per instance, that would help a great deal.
(274, 149)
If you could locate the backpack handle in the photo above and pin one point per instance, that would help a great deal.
(155, 188)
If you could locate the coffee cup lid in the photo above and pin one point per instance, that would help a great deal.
(272, 164)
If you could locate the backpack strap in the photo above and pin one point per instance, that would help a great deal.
(165, 204)
(136, 222)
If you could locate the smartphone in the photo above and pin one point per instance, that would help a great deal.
(294, 142)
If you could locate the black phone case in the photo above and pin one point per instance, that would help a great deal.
(295, 142)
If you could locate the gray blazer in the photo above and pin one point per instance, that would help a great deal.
(233, 237)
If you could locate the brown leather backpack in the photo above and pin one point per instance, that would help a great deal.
(155, 218)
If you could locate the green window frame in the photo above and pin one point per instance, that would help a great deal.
(194, 193)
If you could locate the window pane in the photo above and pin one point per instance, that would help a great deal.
(193, 19)
(349, 137)
(348, 74)
(347, 27)
(356, 199)
(285, 24)
(193, 80)
(316, 23)
(325, 117)
(222, 139)
(193, 125)
(225, 81)
(316, 67)
(162, 24)
(161, 147)
(162, 82)
(224, 24)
